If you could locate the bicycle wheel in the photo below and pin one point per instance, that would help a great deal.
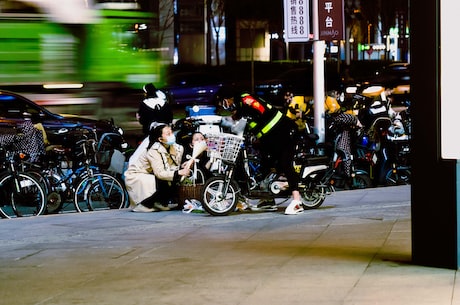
(313, 196)
(53, 201)
(23, 197)
(214, 201)
(400, 176)
(99, 192)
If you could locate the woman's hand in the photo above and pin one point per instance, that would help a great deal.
(184, 172)
(188, 164)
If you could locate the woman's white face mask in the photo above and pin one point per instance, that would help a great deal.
(171, 139)
(168, 136)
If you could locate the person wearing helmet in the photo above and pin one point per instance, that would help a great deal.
(331, 105)
(275, 133)
(297, 111)
(154, 109)
(301, 107)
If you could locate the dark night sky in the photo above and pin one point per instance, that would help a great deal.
(273, 11)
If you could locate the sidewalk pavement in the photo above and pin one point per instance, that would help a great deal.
(355, 249)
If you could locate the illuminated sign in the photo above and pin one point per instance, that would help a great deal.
(296, 20)
(331, 20)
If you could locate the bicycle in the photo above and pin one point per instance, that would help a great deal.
(84, 186)
(220, 191)
(21, 194)
(98, 190)
(317, 175)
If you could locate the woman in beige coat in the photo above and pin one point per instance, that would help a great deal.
(151, 178)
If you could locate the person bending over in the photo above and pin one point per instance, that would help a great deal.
(275, 133)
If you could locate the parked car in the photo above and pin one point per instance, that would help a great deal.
(192, 88)
(60, 129)
(393, 75)
(298, 81)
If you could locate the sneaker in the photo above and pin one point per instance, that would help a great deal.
(242, 204)
(143, 209)
(265, 205)
(160, 207)
(172, 205)
(295, 207)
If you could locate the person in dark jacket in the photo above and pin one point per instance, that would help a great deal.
(275, 133)
(154, 109)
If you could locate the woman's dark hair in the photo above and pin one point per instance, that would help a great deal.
(155, 133)
(190, 140)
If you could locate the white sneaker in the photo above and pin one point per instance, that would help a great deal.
(295, 207)
(143, 209)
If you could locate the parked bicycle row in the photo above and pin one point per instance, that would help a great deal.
(36, 179)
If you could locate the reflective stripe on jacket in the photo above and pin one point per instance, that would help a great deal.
(263, 116)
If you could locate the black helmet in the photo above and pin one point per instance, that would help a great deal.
(150, 90)
(225, 92)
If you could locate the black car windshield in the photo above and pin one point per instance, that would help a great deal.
(15, 107)
(191, 79)
(293, 74)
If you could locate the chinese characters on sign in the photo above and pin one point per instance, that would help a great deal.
(331, 20)
(296, 20)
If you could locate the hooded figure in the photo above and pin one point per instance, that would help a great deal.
(154, 109)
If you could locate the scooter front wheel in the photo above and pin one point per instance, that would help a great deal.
(361, 181)
(215, 202)
(313, 198)
(398, 177)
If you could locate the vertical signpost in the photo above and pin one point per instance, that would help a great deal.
(318, 76)
(296, 22)
(330, 27)
(327, 25)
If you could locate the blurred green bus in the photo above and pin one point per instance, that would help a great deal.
(63, 42)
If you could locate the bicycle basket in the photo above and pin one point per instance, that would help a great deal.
(103, 158)
(224, 146)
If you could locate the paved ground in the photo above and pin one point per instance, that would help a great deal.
(355, 249)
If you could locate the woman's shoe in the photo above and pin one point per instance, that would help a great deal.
(265, 205)
(160, 207)
(143, 209)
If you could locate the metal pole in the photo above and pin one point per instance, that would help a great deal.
(318, 77)
(347, 45)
